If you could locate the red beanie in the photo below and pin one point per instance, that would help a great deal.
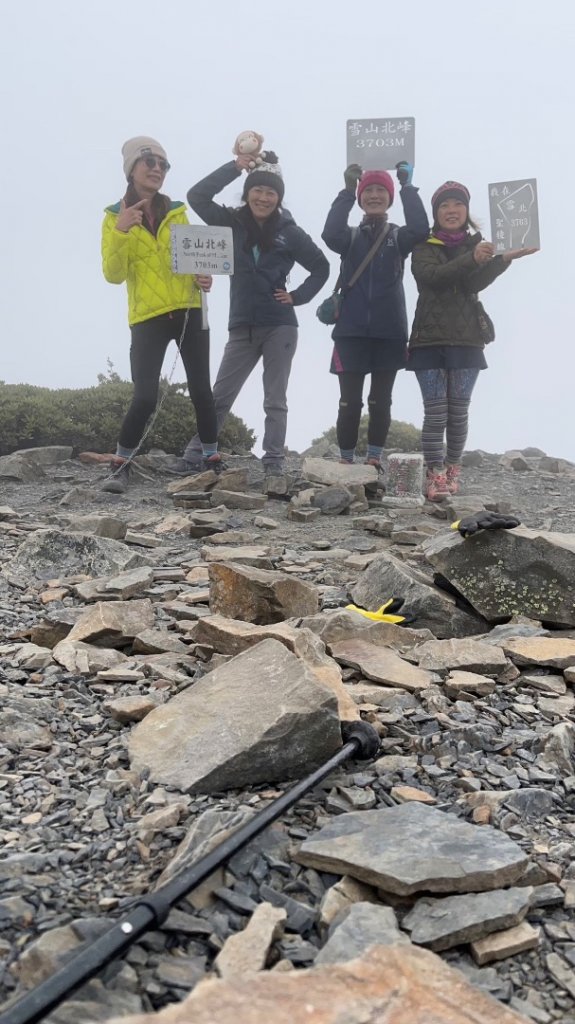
(376, 178)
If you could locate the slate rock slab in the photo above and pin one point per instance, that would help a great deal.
(441, 924)
(415, 848)
(356, 929)
(261, 717)
(381, 665)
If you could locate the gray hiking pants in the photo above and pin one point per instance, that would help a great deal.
(246, 345)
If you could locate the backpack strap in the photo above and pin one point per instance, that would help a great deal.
(369, 256)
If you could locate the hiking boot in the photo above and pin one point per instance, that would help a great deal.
(453, 474)
(274, 467)
(118, 480)
(213, 462)
(185, 467)
(436, 488)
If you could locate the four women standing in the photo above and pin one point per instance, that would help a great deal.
(370, 335)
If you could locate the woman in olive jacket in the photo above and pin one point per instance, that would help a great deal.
(450, 330)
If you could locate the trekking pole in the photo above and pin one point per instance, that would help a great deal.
(360, 741)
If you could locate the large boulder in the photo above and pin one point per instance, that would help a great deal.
(259, 595)
(430, 607)
(261, 717)
(15, 467)
(510, 572)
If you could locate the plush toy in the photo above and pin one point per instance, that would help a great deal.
(249, 144)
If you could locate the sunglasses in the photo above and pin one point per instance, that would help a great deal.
(151, 161)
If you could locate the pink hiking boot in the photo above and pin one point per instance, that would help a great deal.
(453, 474)
(436, 487)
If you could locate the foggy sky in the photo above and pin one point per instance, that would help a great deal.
(491, 90)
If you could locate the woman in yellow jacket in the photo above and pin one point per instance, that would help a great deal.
(136, 248)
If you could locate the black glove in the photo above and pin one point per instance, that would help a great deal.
(404, 172)
(351, 176)
(485, 521)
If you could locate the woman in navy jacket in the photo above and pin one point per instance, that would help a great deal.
(262, 321)
(370, 336)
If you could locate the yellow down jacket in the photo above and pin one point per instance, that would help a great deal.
(145, 264)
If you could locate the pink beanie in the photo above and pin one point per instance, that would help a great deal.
(376, 178)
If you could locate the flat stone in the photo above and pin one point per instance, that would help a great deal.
(129, 584)
(46, 455)
(303, 515)
(130, 709)
(240, 499)
(443, 923)
(323, 471)
(510, 942)
(388, 985)
(113, 624)
(257, 595)
(384, 849)
(195, 482)
(243, 555)
(264, 523)
(176, 522)
(231, 480)
(261, 717)
(469, 654)
(356, 929)
(459, 683)
(84, 659)
(381, 665)
(541, 651)
(409, 794)
(158, 641)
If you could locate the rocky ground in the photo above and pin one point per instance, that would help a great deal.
(152, 643)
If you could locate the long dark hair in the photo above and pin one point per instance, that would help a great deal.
(261, 234)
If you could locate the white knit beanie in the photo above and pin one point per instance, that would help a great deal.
(139, 146)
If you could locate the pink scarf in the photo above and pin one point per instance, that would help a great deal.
(450, 237)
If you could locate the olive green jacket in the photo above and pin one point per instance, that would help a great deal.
(448, 279)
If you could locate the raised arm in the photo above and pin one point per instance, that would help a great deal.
(201, 196)
(416, 228)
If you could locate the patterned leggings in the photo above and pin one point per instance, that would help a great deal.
(446, 397)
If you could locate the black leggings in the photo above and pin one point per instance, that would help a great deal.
(351, 404)
(150, 339)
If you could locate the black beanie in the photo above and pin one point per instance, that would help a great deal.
(267, 174)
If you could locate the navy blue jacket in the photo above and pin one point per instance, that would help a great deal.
(375, 306)
(252, 286)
